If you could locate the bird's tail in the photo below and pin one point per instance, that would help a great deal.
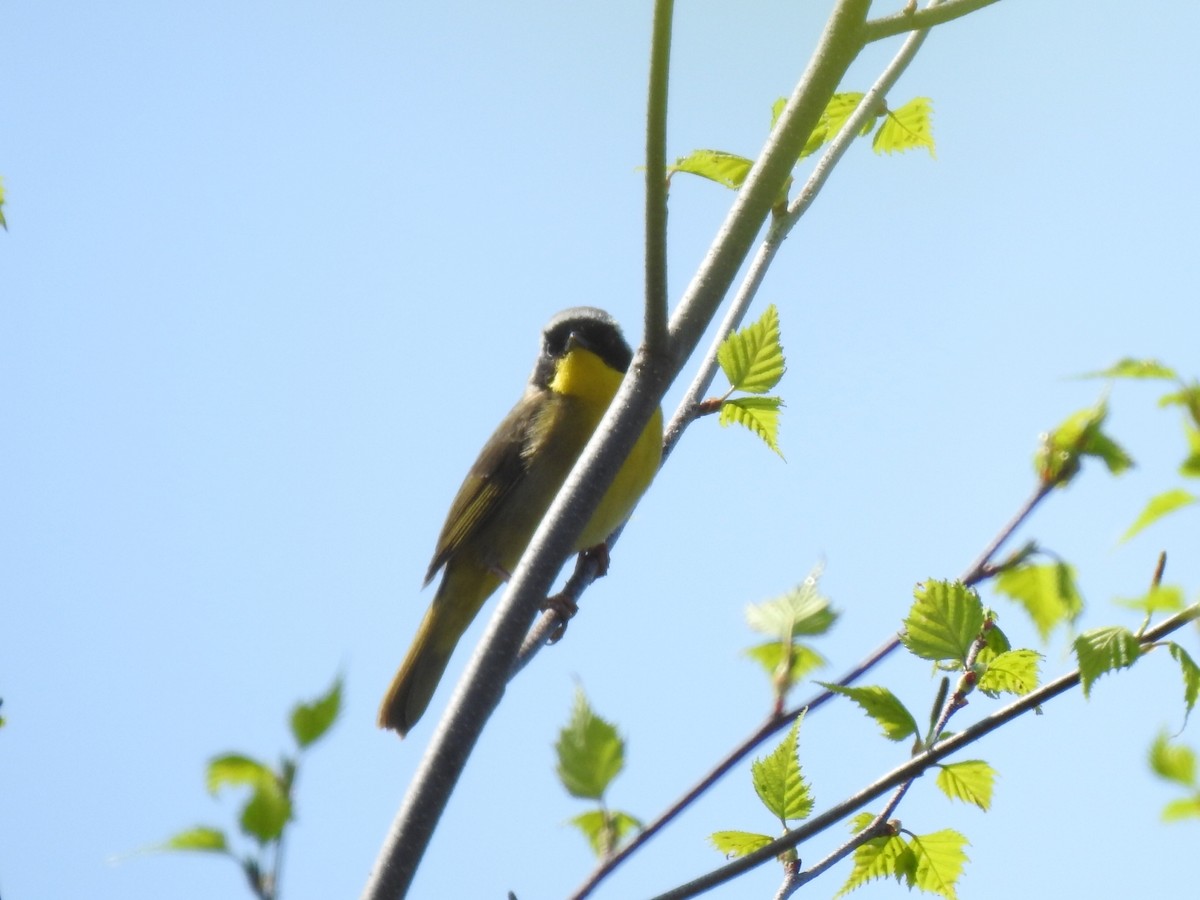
(459, 597)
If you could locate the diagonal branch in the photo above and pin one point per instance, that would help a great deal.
(909, 19)
(910, 769)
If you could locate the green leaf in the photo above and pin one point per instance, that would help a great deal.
(3, 223)
(971, 781)
(1058, 458)
(1159, 506)
(778, 781)
(726, 169)
(881, 857)
(759, 414)
(940, 861)
(803, 610)
(1103, 650)
(267, 812)
(752, 358)
(1191, 675)
(837, 111)
(1012, 672)
(269, 809)
(1188, 397)
(1135, 368)
(1190, 467)
(801, 660)
(201, 838)
(605, 830)
(738, 843)
(881, 705)
(1047, 592)
(1183, 808)
(1173, 762)
(311, 720)
(1164, 598)
(590, 752)
(943, 622)
(995, 641)
(907, 128)
(235, 770)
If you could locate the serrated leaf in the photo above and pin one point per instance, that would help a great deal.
(1012, 672)
(738, 843)
(881, 857)
(801, 660)
(940, 861)
(752, 358)
(310, 721)
(605, 830)
(1135, 368)
(779, 782)
(1103, 650)
(802, 611)
(590, 752)
(201, 839)
(1058, 457)
(881, 705)
(1191, 675)
(907, 128)
(943, 622)
(1047, 592)
(1173, 762)
(759, 414)
(971, 781)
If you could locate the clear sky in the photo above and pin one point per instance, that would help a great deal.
(275, 270)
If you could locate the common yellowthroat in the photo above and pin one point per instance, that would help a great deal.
(518, 473)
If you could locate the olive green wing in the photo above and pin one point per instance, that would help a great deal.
(502, 465)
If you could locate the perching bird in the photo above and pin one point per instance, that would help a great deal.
(511, 485)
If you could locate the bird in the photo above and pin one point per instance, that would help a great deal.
(582, 360)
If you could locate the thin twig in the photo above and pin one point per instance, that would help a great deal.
(900, 22)
(910, 769)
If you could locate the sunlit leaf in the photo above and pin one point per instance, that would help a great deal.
(971, 781)
(311, 720)
(1058, 457)
(752, 357)
(759, 414)
(940, 861)
(881, 705)
(1135, 368)
(738, 843)
(1191, 676)
(882, 857)
(907, 128)
(803, 610)
(779, 782)
(1103, 650)
(1013, 672)
(605, 830)
(1159, 506)
(943, 622)
(801, 660)
(1173, 762)
(1047, 592)
(201, 838)
(590, 752)
(1163, 598)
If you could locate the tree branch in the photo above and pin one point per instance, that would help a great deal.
(910, 769)
(656, 179)
(934, 14)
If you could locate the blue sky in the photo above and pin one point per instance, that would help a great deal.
(274, 271)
